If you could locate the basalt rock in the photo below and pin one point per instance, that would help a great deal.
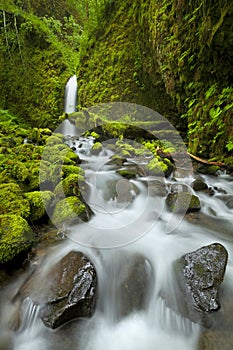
(72, 290)
(199, 184)
(202, 273)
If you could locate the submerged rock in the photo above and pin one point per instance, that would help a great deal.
(136, 284)
(202, 273)
(216, 340)
(182, 202)
(71, 291)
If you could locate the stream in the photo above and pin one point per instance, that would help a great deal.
(130, 222)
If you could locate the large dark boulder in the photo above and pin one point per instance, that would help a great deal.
(72, 290)
(63, 292)
(201, 273)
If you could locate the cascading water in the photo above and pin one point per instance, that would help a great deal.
(71, 95)
(130, 228)
(160, 323)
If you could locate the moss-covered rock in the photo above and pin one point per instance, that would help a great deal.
(12, 200)
(182, 202)
(69, 211)
(96, 148)
(39, 203)
(70, 186)
(159, 167)
(15, 236)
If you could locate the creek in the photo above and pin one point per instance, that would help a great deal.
(129, 221)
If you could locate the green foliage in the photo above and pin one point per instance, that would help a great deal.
(15, 236)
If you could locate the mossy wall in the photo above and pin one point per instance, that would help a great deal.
(173, 56)
(34, 68)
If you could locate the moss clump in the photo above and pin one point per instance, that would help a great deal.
(69, 211)
(159, 167)
(39, 203)
(12, 200)
(15, 236)
(69, 186)
(71, 169)
(96, 148)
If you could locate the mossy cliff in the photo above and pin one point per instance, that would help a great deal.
(173, 56)
(35, 62)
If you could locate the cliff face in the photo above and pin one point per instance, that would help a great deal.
(35, 62)
(173, 56)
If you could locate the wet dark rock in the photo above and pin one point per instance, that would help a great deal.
(182, 202)
(136, 280)
(131, 172)
(116, 160)
(215, 340)
(202, 273)
(199, 184)
(208, 169)
(71, 290)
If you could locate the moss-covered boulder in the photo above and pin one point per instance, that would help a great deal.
(70, 186)
(12, 200)
(70, 210)
(16, 236)
(182, 202)
(159, 167)
(199, 184)
(96, 148)
(39, 203)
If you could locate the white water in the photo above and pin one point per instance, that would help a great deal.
(71, 95)
(121, 229)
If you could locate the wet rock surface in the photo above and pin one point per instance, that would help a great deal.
(135, 285)
(199, 184)
(215, 340)
(202, 274)
(182, 202)
(72, 290)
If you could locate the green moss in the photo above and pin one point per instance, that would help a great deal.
(39, 202)
(68, 211)
(157, 167)
(96, 148)
(15, 236)
(69, 186)
(72, 169)
(12, 200)
(182, 202)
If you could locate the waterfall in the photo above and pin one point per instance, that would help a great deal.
(71, 91)
(71, 95)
